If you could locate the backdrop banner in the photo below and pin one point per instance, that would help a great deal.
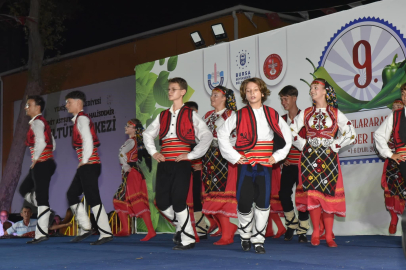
(360, 52)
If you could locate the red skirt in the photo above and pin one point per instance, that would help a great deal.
(225, 203)
(313, 199)
(393, 201)
(135, 201)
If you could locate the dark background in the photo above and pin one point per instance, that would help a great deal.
(97, 21)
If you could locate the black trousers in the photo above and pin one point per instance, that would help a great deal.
(38, 180)
(253, 185)
(197, 191)
(290, 177)
(172, 184)
(86, 181)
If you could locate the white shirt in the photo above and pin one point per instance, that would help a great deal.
(382, 136)
(38, 128)
(202, 133)
(264, 132)
(122, 156)
(1, 227)
(342, 122)
(83, 125)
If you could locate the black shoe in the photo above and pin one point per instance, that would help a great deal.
(39, 240)
(176, 238)
(82, 237)
(182, 247)
(259, 248)
(246, 245)
(289, 234)
(102, 241)
(203, 236)
(302, 238)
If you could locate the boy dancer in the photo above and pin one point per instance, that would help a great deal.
(86, 180)
(263, 139)
(177, 127)
(290, 173)
(35, 188)
(394, 125)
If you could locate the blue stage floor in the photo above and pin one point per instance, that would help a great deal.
(353, 252)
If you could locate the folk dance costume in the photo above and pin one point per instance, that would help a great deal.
(131, 197)
(391, 136)
(35, 187)
(320, 171)
(177, 133)
(86, 181)
(261, 133)
(219, 176)
(290, 177)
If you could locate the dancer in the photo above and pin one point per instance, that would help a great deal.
(131, 197)
(390, 140)
(201, 228)
(177, 127)
(35, 187)
(263, 139)
(218, 175)
(320, 171)
(86, 180)
(290, 173)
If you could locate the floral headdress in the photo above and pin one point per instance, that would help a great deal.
(142, 151)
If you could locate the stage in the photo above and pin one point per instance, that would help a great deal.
(353, 252)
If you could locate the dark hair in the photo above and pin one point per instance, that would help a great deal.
(398, 99)
(192, 105)
(262, 87)
(288, 90)
(135, 121)
(403, 87)
(182, 82)
(76, 95)
(6, 225)
(26, 207)
(39, 101)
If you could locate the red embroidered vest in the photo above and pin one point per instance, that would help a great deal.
(30, 141)
(399, 128)
(132, 155)
(77, 139)
(184, 125)
(247, 135)
(326, 133)
(225, 115)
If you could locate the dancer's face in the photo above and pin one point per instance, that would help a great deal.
(74, 106)
(218, 99)
(175, 92)
(288, 102)
(253, 93)
(318, 92)
(404, 96)
(129, 129)
(31, 109)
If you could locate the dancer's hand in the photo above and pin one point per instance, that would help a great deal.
(197, 167)
(33, 164)
(398, 158)
(181, 157)
(286, 163)
(158, 157)
(271, 160)
(242, 160)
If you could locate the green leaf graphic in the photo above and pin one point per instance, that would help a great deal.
(142, 69)
(172, 62)
(157, 111)
(160, 90)
(161, 61)
(189, 93)
(141, 92)
(148, 106)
